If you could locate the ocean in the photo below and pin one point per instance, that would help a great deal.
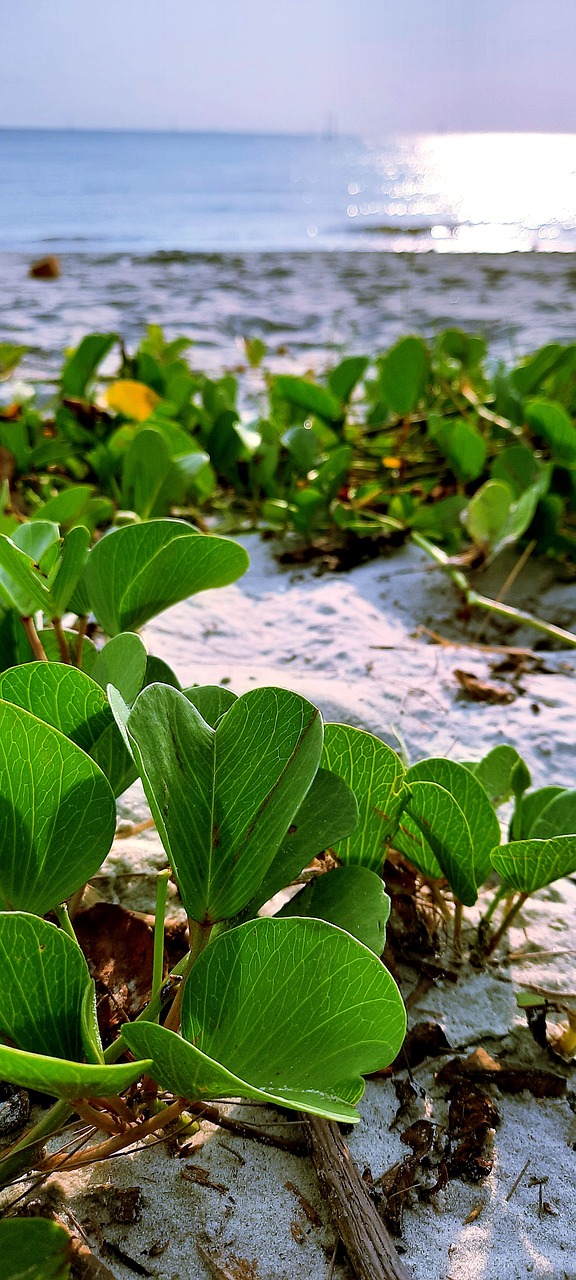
(318, 244)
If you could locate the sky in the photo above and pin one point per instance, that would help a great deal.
(369, 67)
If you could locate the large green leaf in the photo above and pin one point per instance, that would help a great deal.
(44, 986)
(224, 798)
(446, 830)
(211, 700)
(64, 1079)
(71, 701)
(554, 425)
(135, 572)
(328, 813)
(529, 865)
(288, 1011)
(353, 898)
(472, 799)
(34, 1249)
(376, 776)
(57, 813)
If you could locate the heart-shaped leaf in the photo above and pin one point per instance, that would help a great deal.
(529, 865)
(69, 700)
(44, 986)
(223, 799)
(376, 776)
(288, 1011)
(353, 898)
(34, 1249)
(472, 799)
(70, 1080)
(445, 829)
(57, 813)
(135, 572)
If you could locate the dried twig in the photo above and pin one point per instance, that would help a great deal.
(363, 1234)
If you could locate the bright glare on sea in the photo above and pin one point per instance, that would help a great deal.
(221, 193)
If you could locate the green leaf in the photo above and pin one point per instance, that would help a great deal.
(463, 446)
(517, 467)
(72, 561)
(122, 662)
(224, 798)
(307, 395)
(495, 771)
(72, 702)
(353, 898)
(51, 648)
(376, 776)
(446, 830)
(211, 700)
(346, 375)
(34, 1249)
(528, 865)
(404, 374)
(10, 357)
(158, 672)
(533, 803)
(45, 981)
(82, 364)
(135, 572)
(63, 1079)
(487, 513)
(557, 819)
(472, 799)
(66, 506)
(328, 813)
(57, 813)
(554, 425)
(288, 1011)
(255, 350)
(20, 586)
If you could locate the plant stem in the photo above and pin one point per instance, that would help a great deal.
(33, 639)
(199, 939)
(158, 961)
(498, 896)
(474, 600)
(62, 641)
(458, 929)
(20, 1158)
(64, 921)
(133, 1134)
(506, 922)
(82, 625)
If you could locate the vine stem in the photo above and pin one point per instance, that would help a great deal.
(472, 598)
(120, 1140)
(199, 939)
(82, 625)
(505, 924)
(62, 642)
(33, 638)
(158, 960)
(65, 922)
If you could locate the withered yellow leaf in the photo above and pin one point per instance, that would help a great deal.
(133, 399)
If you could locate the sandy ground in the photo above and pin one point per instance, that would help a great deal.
(349, 643)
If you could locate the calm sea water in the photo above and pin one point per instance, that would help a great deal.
(225, 236)
(143, 192)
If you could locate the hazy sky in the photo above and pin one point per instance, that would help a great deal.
(373, 66)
